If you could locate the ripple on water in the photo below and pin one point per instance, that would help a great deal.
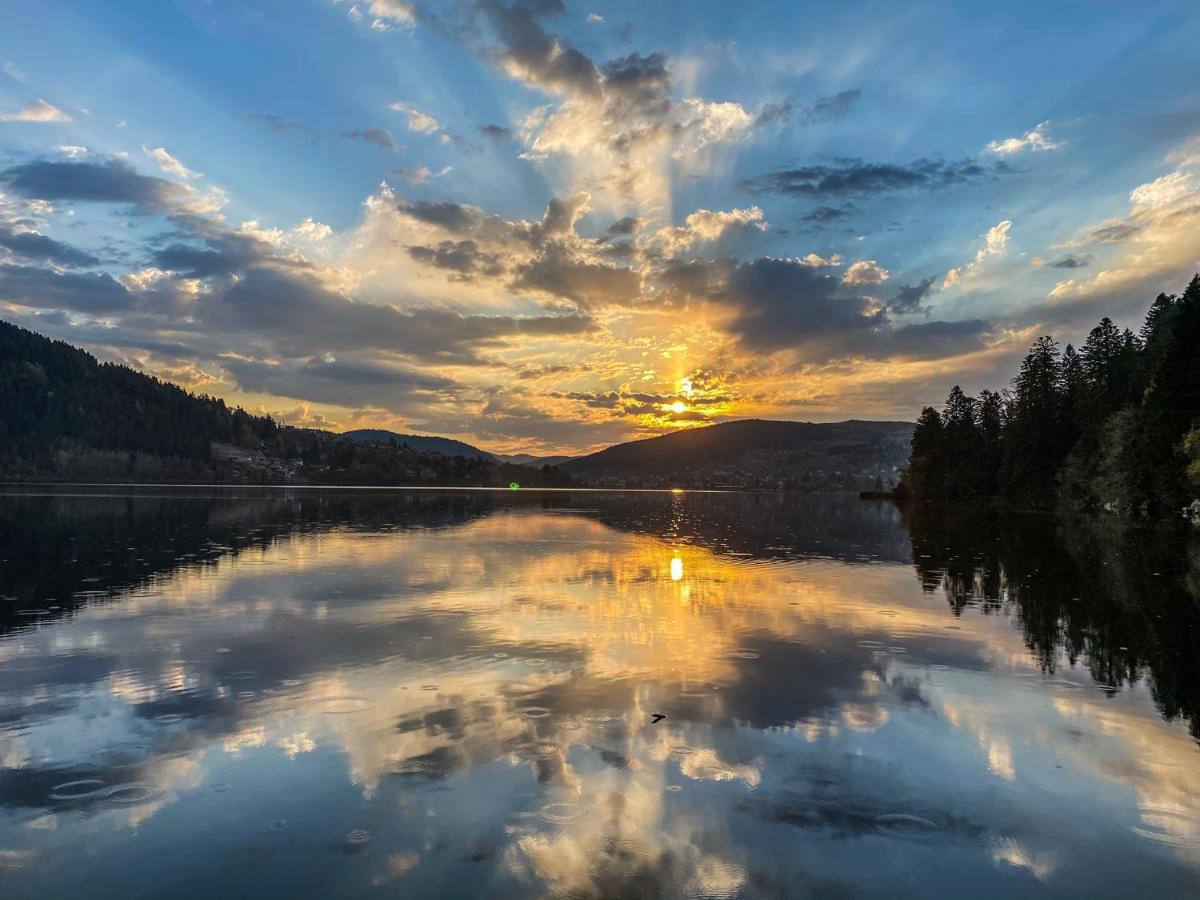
(168, 718)
(130, 794)
(1166, 826)
(905, 827)
(246, 675)
(342, 705)
(744, 653)
(560, 813)
(534, 712)
(357, 839)
(77, 790)
(873, 645)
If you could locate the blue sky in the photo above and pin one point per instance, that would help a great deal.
(542, 226)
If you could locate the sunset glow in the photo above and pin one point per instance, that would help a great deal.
(410, 216)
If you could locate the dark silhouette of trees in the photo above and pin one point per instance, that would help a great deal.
(1115, 424)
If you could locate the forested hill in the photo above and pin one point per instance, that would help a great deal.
(756, 453)
(67, 416)
(1113, 425)
(56, 397)
(445, 446)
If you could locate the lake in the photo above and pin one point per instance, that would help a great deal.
(333, 693)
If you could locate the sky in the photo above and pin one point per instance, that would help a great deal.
(545, 227)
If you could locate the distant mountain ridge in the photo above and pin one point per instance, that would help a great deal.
(756, 453)
(431, 443)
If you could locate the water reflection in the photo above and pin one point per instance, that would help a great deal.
(339, 694)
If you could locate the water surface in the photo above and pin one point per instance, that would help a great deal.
(247, 693)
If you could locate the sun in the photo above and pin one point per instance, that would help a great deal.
(678, 406)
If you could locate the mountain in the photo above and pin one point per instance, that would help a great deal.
(849, 455)
(445, 446)
(64, 416)
(528, 459)
(58, 401)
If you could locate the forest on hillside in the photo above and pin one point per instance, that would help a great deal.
(69, 417)
(1113, 425)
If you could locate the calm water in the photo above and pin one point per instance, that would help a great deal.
(342, 694)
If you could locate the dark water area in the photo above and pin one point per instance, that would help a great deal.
(336, 693)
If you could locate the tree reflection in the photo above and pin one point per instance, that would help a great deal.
(1120, 598)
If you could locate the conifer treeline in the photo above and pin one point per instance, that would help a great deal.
(1114, 425)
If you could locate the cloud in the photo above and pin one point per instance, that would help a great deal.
(341, 382)
(825, 109)
(39, 248)
(618, 124)
(445, 214)
(380, 137)
(110, 181)
(495, 132)
(169, 163)
(1154, 246)
(910, 296)
(1115, 232)
(813, 259)
(396, 11)
(588, 285)
(823, 214)
(853, 177)
(417, 121)
(1033, 141)
(1070, 261)
(92, 293)
(865, 271)
(994, 243)
(785, 304)
(303, 317)
(706, 226)
(37, 111)
(418, 176)
(277, 124)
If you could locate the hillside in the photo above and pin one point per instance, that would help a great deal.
(849, 455)
(529, 459)
(445, 446)
(68, 417)
(58, 400)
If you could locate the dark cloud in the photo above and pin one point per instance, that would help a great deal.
(342, 382)
(909, 297)
(935, 340)
(826, 214)
(46, 289)
(1116, 233)
(782, 303)
(222, 254)
(495, 132)
(463, 257)
(277, 124)
(451, 216)
(523, 45)
(853, 177)
(380, 137)
(39, 248)
(1071, 261)
(111, 181)
(587, 285)
(625, 226)
(638, 85)
(825, 109)
(302, 318)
